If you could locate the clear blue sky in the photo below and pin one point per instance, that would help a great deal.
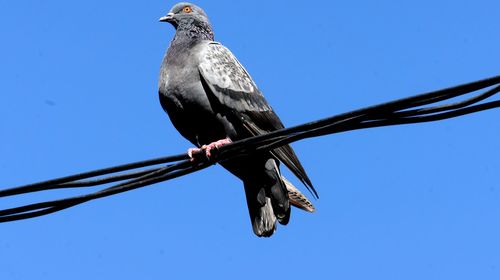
(78, 84)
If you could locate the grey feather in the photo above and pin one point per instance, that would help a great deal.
(209, 96)
(231, 84)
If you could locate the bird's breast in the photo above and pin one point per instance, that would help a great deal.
(185, 99)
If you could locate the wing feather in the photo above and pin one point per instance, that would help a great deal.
(236, 91)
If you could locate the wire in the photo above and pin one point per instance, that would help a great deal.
(398, 112)
(73, 178)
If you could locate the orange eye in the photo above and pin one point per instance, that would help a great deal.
(187, 9)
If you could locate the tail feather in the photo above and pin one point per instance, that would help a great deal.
(297, 198)
(267, 199)
(260, 210)
(278, 192)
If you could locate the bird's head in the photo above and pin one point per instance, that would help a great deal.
(190, 21)
(184, 13)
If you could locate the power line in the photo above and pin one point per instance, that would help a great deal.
(403, 111)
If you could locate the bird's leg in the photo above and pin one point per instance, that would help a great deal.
(208, 148)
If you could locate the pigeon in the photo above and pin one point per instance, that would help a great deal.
(212, 101)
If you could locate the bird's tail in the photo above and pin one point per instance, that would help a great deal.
(297, 198)
(267, 199)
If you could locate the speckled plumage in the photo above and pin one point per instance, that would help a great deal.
(208, 96)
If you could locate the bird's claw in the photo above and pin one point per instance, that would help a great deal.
(208, 148)
(192, 151)
(215, 145)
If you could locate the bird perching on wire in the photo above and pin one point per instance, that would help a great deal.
(212, 101)
(229, 108)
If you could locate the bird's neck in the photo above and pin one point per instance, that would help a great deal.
(189, 32)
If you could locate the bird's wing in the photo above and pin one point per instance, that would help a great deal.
(235, 90)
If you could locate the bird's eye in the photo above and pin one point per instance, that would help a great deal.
(187, 9)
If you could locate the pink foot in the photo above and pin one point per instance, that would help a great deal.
(192, 151)
(216, 144)
(208, 148)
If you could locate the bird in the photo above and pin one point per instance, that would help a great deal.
(212, 100)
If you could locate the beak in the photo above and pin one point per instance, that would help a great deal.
(168, 18)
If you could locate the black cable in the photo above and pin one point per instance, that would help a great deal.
(43, 208)
(43, 185)
(339, 127)
(445, 107)
(402, 111)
